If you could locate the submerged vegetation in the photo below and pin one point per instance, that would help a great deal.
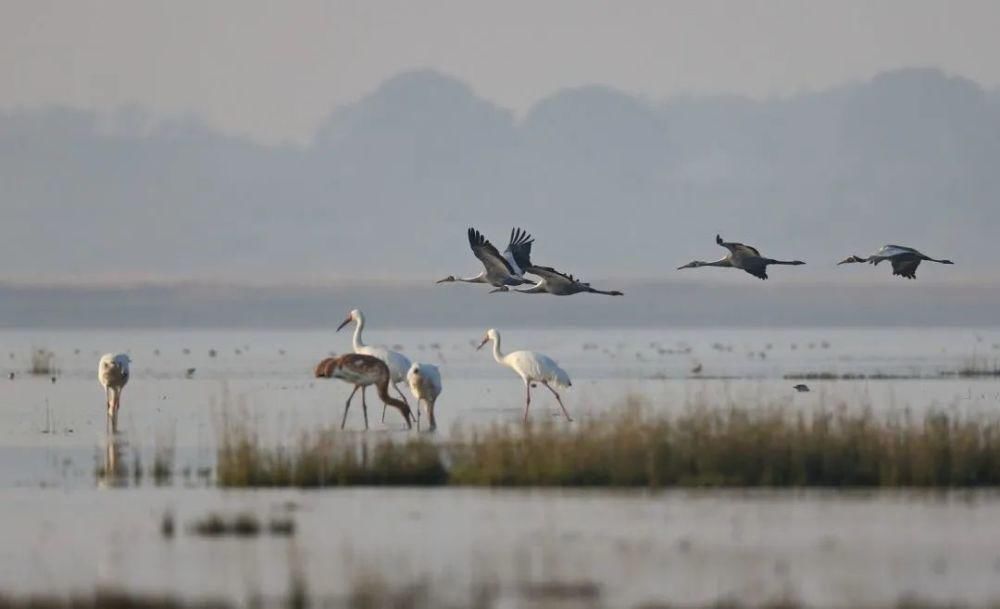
(241, 525)
(42, 363)
(703, 447)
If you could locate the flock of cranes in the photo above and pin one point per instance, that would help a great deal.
(382, 367)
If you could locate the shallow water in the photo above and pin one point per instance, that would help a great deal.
(64, 529)
(820, 548)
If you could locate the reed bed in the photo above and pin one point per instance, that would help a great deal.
(702, 447)
(978, 366)
(328, 458)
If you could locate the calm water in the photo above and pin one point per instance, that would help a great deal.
(62, 531)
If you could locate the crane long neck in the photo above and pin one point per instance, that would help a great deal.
(497, 354)
(358, 327)
(605, 292)
(727, 262)
(536, 289)
(480, 278)
(382, 387)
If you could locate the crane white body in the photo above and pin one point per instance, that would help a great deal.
(398, 363)
(532, 367)
(425, 385)
(113, 374)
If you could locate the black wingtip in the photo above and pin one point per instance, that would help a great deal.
(519, 236)
(718, 239)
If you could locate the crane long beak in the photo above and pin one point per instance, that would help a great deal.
(343, 323)
(445, 280)
(485, 340)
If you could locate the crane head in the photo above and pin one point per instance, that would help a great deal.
(354, 315)
(851, 259)
(446, 279)
(692, 265)
(491, 334)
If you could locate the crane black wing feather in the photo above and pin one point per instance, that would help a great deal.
(488, 254)
(738, 248)
(547, 272)
(757, 268)
(519, 247)
(905, 267)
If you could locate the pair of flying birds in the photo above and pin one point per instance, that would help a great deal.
(507, 270)
(904, 260)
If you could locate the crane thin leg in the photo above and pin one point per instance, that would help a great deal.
(364, 407)
(348, 406)
(559, 399)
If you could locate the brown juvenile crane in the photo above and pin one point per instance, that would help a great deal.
(362, 370)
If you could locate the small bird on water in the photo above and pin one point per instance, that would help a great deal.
(801, 388)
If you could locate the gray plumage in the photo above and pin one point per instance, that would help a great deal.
(743, 257)
(500, 270)
(554, 282)
(904, 260)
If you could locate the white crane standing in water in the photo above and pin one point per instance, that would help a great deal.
(113, 373)
(398, 363)
(425, 385)
(904, 260)
(743, 257)
(532, 368)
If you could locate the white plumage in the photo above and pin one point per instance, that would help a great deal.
(113, 374)
(532, 368)
(398, 363)
(425, 385)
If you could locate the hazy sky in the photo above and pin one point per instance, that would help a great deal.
(274, 70)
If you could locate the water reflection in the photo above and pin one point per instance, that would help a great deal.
(114, 472)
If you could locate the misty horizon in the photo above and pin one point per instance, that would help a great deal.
(610, 186)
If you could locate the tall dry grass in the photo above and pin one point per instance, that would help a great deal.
(328, 458)
(703, 447)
